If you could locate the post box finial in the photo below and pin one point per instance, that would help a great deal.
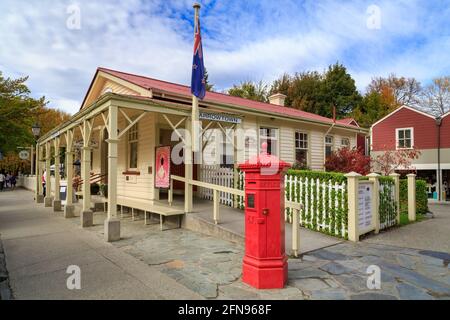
(264, 148)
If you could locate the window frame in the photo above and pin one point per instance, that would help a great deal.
(276, 138)
(133, 130)
(397, 139)
(299, 148)
(345, 145)
(326, 144)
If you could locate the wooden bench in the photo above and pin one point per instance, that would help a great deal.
(149, 207)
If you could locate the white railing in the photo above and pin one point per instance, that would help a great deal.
(225, 177)
(216, 189)
(324, 204)
(216, 175)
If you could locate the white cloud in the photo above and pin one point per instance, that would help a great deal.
(242, 40)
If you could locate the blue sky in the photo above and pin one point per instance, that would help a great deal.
(242, 40)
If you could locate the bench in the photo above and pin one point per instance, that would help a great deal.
(148, 207)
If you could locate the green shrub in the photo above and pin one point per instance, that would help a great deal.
(421, 196)
(104, 190)
(322, 176)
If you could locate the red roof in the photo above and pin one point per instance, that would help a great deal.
(348, 121)
(150, 83)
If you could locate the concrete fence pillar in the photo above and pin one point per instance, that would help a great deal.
(352, 189)
(396, 178)
(411, 197)
(375, 178)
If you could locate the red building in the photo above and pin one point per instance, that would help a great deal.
(407, 128)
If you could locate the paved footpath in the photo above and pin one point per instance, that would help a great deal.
(182, 264)
(431, 234)
(39, 246)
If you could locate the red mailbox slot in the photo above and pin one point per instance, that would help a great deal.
(265, 261)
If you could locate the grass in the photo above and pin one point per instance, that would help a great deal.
(404, 218)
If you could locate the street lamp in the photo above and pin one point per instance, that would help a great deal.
(36, 129)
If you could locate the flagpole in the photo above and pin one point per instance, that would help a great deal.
(195, 112)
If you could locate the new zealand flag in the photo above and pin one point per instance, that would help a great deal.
(198, 82)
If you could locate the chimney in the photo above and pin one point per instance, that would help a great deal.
(278, 99)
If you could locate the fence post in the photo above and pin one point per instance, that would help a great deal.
(375, 200)
(411, 197)
(353, 186)
(396, 178)
(216, 206)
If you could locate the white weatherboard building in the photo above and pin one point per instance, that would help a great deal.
(124, 117)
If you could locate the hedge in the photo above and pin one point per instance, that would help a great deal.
(322, 176)
(421, 196)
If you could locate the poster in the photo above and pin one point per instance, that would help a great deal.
(162, 167)
(365, 206)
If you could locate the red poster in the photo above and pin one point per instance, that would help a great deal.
(162, 170)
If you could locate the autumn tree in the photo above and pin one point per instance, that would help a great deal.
(435, 97)
(257, 91)
(371, 109)
(396, 91)
(346, 160)
(391, 160)
(16, 113)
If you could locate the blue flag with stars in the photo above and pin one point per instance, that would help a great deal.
(198, 82)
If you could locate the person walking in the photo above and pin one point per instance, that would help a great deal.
(2, 180)
(13, 181)
(44, 181)
(7, 181)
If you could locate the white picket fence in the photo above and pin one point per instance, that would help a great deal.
(387, 205)
(324, 204)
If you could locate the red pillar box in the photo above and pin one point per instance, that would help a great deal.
(265, 261)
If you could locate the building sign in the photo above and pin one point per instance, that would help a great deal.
(219, 117)
(162, 167)
(24, 154)
(365, 207)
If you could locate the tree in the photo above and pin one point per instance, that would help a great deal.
(338, 89)
(16, 113)
(209, 86)
(304, 91)
(371, 109)
(250, 90)
(392, 160)
(346, 160)
(314, 92)
(397, 91)
(435, 98)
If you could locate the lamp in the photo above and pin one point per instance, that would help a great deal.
(36, 129)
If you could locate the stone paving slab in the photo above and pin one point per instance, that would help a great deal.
(208, 267)
(212, 267)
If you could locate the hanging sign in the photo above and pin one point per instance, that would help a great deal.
(24, 154)
(219, 117)
(365, 207)
(162, 167)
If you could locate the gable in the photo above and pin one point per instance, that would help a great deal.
(425, 130)
(104, 83)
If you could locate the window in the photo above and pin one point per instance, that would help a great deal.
(270, 136)
(301, 148)
(133, 147)
(226, 148)
(328, 146)
(345, 142)
(405, 138)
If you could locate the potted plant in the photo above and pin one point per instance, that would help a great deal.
(104, 190)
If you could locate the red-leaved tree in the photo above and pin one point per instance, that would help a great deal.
(392, 160)
(346, 160)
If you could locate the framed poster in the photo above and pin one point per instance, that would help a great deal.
(162, 167)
